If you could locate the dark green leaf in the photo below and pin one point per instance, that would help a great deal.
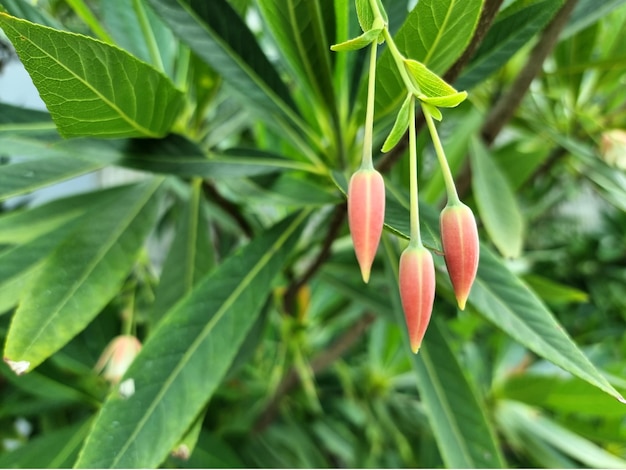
(588, 12)
(186, 357)
(81, 276)
(93, 97)
(30, 12)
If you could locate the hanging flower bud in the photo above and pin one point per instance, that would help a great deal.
(417, 291)
(366, 214)
(459, 237)
(117, 357)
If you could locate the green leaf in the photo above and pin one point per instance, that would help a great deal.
(25, 177)
(399, 126)
(359, 42)
(90, 87)
(513, 28)
(81, 276)
(55, 449)
(433, 89)
(366, 15)
(459, 421)
(588, 12)
(298, 27)
(30, 12)
(530, 422)
(190, 256)
(14, 118)
(215, 32)
(435, 33)
(553, 292)
(171, 380)
(496, 202)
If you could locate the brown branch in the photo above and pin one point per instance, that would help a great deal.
(229, 207)
(487, 16)
(318, 364)
(335, 224)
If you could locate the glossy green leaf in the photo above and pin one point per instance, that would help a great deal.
(502, 298)
(399, 126)
(513, 28)
(215, 32)
(298, 27)
(433, 89)
(93, 97)
(171, 380)
(190, 256)
(530, 422)
(435, 33)
(496, 202)
(81, 276)
(30, 12)
(56, 449)
(457, 415)
(25, 177)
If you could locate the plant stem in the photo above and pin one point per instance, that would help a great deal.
(416, 238)
(399, 60)
(148, 35)
(366, 162)
(453, 197)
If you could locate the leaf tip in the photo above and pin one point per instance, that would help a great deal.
(19, 367)
(621, 399)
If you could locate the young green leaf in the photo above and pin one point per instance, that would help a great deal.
(434, 90)
(496, 202)
(366, 16)
(170, 376)
(433, 110)
(90, 87)
(95, 260)
(357, 43)
(399, 127)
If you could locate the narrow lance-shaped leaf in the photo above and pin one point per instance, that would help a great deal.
(80, 277)
(90, 87)
(464, 434)
(187, 356)
(496, 202)
(399, 126)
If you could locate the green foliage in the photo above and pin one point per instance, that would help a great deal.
(230, 257)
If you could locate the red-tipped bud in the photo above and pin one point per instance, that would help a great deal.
(417, 291)
(366, 214)
(459, 237)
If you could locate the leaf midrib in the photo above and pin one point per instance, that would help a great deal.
(204, 333)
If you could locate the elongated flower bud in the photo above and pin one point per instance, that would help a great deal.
(117, 357)
(459, 237)
(417, 291)
(366, 214)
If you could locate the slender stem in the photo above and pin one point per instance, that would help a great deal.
(416, 238)
(453, 197)
(182, 67)
(148, 35)
(366, 163)
(399, 60)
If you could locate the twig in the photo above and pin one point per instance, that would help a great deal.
(229, 207)
(335, 225)
(318, 364)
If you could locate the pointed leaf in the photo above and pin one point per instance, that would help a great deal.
(298, 27)
(357, 43)
(588, 12)
(25, 177)
(90, 87)
(171, 380)
(216, 33)
(399, 127)
(81, 276)
(496, 202)
(190, 256)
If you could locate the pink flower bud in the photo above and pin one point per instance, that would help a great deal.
(417, 291)
(117, 357)
(459, 237)
(366, 214)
